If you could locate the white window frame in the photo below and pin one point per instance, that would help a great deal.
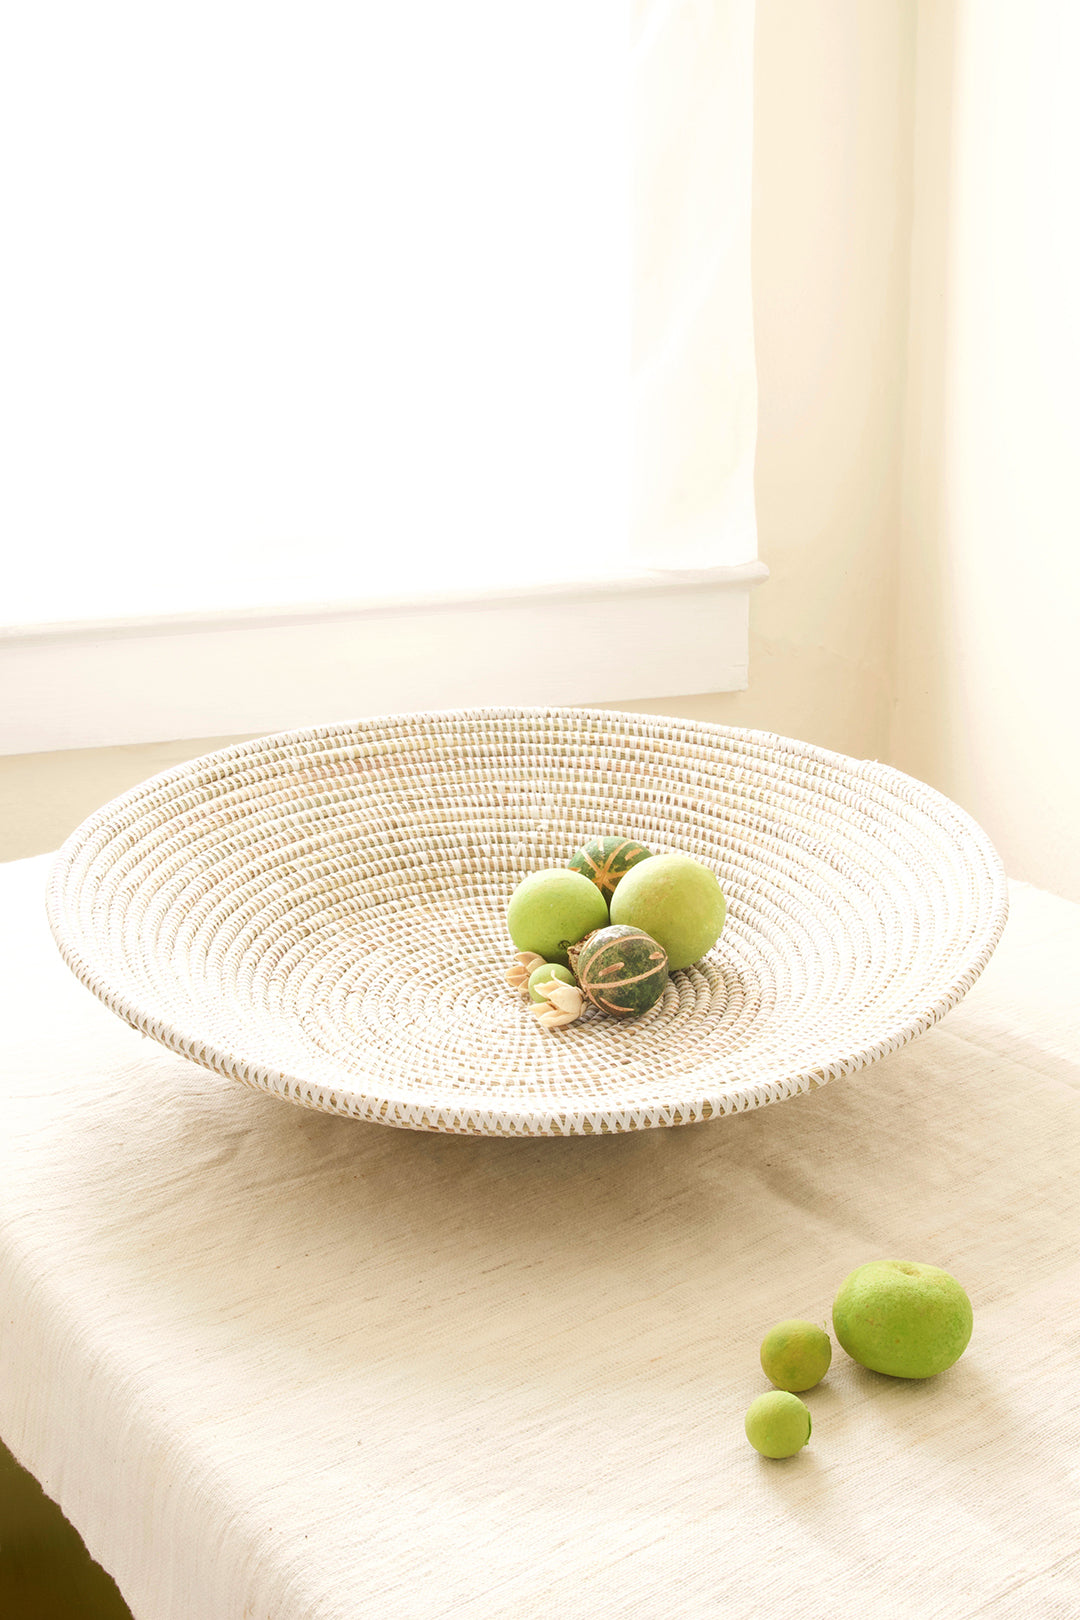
(639, 636)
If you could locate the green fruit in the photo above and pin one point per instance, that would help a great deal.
(675, 900)
(605, 861)
(620, 970)
(541, 975)
(778, 1424)
(902, 1318)
(795, 1355)
(552, 910)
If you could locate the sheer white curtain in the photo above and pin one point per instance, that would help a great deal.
(694, 379)
(315, 302)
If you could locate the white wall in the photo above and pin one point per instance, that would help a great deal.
(988, 648)
(834, 108)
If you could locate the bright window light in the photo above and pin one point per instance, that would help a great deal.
(310, 302)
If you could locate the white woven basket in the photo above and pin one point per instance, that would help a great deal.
(322, 914)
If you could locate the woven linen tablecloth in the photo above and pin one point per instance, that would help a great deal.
(278, 1365)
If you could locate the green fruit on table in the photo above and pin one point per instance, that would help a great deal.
(902, 1318)
(606, 861)
(675, 900)
(553, 909)
(620, 970)
(778, 1424)
(541, 975)
(795, 1355)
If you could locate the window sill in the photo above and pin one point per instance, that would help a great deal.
(632, 636)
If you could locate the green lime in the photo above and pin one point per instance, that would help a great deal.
(795, 1355)
(903, 1318)
(676, 901)
(551, 910)
(541, 975)
(778, 1424)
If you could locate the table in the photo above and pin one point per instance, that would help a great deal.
(277, 1365)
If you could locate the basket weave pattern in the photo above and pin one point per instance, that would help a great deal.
(322, 915)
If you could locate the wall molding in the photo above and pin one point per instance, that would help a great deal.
(650, 634)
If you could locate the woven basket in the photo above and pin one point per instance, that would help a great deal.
(322, 915)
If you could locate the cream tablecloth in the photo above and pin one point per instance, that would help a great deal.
(281, 1366)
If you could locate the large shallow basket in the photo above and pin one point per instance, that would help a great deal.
(321, 914)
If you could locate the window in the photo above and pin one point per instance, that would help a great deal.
(316, 309)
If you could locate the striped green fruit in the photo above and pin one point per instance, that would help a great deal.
(620, 969)
(606, 860)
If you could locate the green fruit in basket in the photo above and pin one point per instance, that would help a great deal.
(551, 910)
(541, 975)
(902, 1318)
(604, 861)
(795, 1355)
(677, 901)
(777, 1424)
(620, 970)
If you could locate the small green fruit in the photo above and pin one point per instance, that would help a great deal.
(621, 970)
(541, 975)
(675, 900)
(552, 910)
(902, 1318)
(778, 1424)
(795, 1355)
(606, 861)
